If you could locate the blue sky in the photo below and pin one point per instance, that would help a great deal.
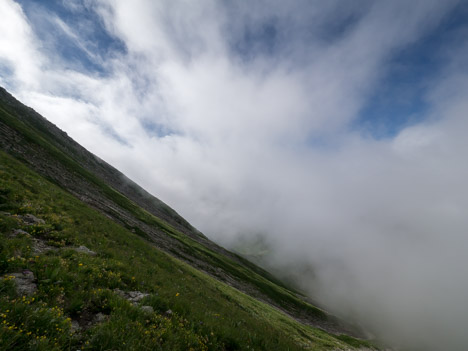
(99, 44)
(335, 128)
(399, 97)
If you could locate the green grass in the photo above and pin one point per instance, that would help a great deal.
(355, 342)
(207, 314)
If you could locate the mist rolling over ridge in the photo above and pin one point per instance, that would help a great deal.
(336, 130)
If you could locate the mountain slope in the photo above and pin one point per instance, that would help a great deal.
(123, 218)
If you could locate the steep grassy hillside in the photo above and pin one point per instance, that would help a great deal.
(72, 285)
(58, 202)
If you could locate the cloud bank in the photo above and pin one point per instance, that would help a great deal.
(254, 118)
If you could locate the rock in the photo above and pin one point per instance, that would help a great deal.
(98, 318)
(119, 292)
(75, 327)
(147, 309)
(40, 247)
(132, 296)
(25, 282)
(30, 219)
(17, 232)
(136, 296)
(87, 319)
(85, 250)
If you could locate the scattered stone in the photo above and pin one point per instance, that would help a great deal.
(17, 232)
(25, 282)
(30, 219)
(120, 292)
(147, 309)
(85, 250)
(98, 318)
(39, 247)
(87, 319)
(136, 296)
(132, 296)
(75, 326)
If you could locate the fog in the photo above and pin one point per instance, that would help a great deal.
(253, 117)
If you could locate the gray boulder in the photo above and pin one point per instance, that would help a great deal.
(17, 232)
(85, 250)
(40, 247)
(25, 282)
(30, 219)
(147, 309)
(132, 296)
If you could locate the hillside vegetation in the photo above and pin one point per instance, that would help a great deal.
(89, 262)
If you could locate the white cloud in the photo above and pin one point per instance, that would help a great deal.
(262, 143)
(18, 49)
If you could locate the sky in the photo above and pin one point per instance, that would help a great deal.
(334, 129)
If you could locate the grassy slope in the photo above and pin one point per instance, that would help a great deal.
(207, 314)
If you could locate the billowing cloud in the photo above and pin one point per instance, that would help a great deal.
(254, 118)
